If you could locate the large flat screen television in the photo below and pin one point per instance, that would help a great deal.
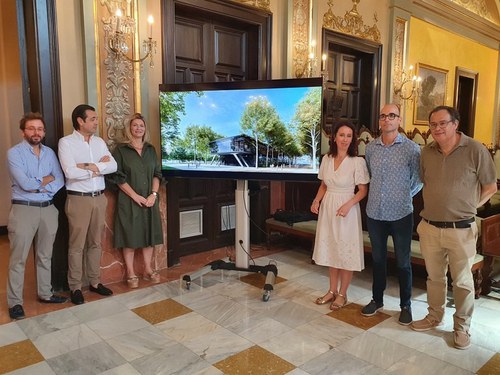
(252, 130)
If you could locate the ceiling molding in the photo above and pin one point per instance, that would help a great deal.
(483, 8)
(467, 20)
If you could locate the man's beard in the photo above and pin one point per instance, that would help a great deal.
(34, 142)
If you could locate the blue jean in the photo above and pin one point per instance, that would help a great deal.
(401, 231)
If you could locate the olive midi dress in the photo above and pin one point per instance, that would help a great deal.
(136, 226)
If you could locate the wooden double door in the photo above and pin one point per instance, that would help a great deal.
(212, 41)
(352, 91)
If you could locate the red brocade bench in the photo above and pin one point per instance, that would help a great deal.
(307, 230)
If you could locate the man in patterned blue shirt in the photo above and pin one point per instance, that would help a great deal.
(36, 177)
(393, 162)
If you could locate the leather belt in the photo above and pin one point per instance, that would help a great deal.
(32, 204)
(452, 224)
(82, 194)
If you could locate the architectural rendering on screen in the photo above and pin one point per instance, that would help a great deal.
(241, 127)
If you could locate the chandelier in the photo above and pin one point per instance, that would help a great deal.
(120, 35)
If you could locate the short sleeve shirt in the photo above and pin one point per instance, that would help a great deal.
(394, 178)
(452, 183)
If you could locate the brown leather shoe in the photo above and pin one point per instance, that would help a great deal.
(461, 339)
(425, 324)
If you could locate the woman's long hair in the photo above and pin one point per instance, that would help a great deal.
(128, 134)
(353, 149)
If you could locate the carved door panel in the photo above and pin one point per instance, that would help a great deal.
(207, 41)
(352, 91)
(207, 51)
(346, 83)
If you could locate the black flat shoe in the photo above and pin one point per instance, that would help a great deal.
(77, 297)
(101, 289)
(54, 299)
(16, 312)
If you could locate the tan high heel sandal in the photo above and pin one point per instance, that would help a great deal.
(152, 277)
(133, 282)
(337, 306)
(323, 300)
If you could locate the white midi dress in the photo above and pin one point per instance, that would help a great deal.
(339, 240)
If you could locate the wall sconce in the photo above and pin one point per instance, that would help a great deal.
(311, 63)
(307, 68)
(409, 87)
(122, 31)
(324, 71)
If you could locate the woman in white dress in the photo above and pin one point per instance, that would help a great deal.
(339, 237)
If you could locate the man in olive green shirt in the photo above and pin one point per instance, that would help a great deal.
(458, 175)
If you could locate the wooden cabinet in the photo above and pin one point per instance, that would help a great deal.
(490, 247)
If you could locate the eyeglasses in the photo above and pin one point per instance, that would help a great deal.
(440, 124)
(390, 116)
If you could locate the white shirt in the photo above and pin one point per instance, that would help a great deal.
(73, 150)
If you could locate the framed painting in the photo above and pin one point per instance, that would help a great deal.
(432, 92)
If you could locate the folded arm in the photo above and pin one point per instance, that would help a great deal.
(487, 192)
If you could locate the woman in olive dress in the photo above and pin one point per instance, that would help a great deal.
(137, 215)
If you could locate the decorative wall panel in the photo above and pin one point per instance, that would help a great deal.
(300, 36)
(398, 56)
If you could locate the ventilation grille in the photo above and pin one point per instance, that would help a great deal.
(190, 223)
(228, 217)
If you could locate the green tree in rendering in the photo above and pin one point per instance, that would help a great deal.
(307, 120)
(287, 147)
(278, 138)
(195, 143)
(274, 131)
(171, 107)
(257, 119)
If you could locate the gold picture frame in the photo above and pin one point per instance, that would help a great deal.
(432, 92)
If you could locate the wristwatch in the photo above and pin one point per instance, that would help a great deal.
(154, 193)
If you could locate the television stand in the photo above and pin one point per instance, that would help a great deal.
(242, 246)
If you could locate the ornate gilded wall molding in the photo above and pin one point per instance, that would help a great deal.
(116, 77)
(300, 36)
(352, 23)
(259, 4)
(478, 7)
(398, 56)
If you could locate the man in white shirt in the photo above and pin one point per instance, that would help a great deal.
(84, 159)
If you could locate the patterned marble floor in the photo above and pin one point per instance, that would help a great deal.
(222, 326)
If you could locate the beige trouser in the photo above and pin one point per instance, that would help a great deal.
(86, 217)
(455, 248)
(30, 225)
